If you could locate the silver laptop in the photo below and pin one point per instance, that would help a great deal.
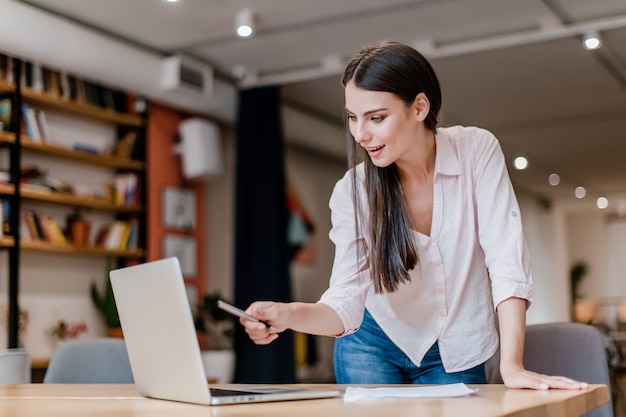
(162, 344)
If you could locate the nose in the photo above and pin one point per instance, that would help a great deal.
(360, 132)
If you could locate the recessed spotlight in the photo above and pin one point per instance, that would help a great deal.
(602, 202)
(170, 1)
(580, 192)
(520, 163)
(592, 41)
(554, 179)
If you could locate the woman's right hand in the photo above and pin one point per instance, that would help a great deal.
(269, 312)
(311, 318)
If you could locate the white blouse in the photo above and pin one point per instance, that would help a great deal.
(476, 238)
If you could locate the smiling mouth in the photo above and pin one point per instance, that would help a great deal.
(375, 148)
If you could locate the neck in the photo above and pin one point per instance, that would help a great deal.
(419, 164)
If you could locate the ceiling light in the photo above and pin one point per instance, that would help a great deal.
(580, 192)
(592, 41)
(520, 163)
(554, 180)
(244, 23)
(602, 202)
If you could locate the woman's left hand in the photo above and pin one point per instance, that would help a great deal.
(522, 378)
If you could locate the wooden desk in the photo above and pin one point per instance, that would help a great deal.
(35, 400)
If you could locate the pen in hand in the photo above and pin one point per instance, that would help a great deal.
(240, 313)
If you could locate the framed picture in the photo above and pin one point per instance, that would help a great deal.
(185, 249)
(179, 208)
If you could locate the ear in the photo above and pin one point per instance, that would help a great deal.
(421, 105)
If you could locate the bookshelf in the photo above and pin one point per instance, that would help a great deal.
(113, 199)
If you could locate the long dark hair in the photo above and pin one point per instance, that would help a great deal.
(398, 69)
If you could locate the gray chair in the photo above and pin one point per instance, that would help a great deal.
(93, 361)
(572, 350)
(14, 366)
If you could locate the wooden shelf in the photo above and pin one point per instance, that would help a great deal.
(32, 193)
(52, 102)
(35, 245)
(64, 152)
(7, 137)
(6, 87)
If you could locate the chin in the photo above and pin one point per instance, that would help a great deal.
(381, 164)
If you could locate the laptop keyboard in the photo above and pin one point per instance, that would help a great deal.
(221, 392)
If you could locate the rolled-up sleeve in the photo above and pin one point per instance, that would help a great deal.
(500, 225)
(350, 280)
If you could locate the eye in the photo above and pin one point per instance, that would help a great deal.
(351, 117)
(377, 119)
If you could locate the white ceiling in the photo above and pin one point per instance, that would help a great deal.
(516, 67)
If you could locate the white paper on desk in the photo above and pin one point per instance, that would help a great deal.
(435, 391)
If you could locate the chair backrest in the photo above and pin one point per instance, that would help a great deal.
(14, 366)
(572, 350)
(93, 361)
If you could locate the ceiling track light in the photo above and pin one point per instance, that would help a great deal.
(592, 41)
(244, 23)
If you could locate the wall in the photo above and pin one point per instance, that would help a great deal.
(600, 243)
(545, 232)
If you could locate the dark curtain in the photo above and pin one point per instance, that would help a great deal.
(261, 248)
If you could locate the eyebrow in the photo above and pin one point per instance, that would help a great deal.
(369, 111)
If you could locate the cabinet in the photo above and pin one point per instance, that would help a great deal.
(115, 202)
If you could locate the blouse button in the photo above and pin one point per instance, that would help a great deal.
(514, 213)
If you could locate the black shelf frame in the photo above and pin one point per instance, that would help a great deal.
(15, 158)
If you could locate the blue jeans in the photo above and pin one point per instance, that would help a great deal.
(370, 357)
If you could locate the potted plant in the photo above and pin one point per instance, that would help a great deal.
(217, 328)
(105, 303)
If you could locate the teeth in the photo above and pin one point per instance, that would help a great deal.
(375, 148)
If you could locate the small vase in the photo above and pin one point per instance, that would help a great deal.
(79, 232)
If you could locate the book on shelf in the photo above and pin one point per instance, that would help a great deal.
(37, 77)
(3, 67)
(41, 227)
(5, 230)
(124, 189)
(42, 125)
(85, 147)
(27, 74)
(132, 242)
(5, 114)
(55, 87)
(25, 232)
(72, 86)
(30, 123)
(115, 235)
(64, 86)
(7, 67)
(119, 235)
(125, 145)
(52, 230)
(38, 230)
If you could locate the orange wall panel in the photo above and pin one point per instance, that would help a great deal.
(163, 170)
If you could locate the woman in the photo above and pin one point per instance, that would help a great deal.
(428, 239)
